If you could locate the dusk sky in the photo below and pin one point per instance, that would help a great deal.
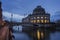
(21, 7)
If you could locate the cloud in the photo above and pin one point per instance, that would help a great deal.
(15, 17)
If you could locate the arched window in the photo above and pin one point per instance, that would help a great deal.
(42, 21)
(38, 21)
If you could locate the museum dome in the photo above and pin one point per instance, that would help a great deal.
(39, 9)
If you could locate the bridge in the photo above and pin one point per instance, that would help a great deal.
(25, 24)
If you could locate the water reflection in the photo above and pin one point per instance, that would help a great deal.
(17, 28)
(21, 36)
(24, 36)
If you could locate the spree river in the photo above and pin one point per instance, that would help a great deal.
(23, 36)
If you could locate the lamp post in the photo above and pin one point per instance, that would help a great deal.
(10, 28)
(11, 22)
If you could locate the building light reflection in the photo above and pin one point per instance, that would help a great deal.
(42, 34)
(38, 34)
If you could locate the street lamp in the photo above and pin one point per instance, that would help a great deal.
(10, 28)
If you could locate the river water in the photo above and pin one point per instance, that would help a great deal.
(23, 36)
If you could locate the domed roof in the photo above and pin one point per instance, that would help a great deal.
(0, 4)
(39, 9)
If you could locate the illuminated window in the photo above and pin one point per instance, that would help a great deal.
(38, 21)
(41, 17)
(42, 21)
(45, 17)
(46, 21)
(34, 17)
(34, 21)
(38, 34)
(38, 17)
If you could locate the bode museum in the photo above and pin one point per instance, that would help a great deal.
(38, 16)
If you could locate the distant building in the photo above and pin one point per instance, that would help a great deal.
(58, 21)
(38, 16)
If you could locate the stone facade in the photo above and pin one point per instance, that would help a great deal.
(38, 16)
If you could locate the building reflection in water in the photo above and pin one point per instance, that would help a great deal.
(53, 36)
(38, 34)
